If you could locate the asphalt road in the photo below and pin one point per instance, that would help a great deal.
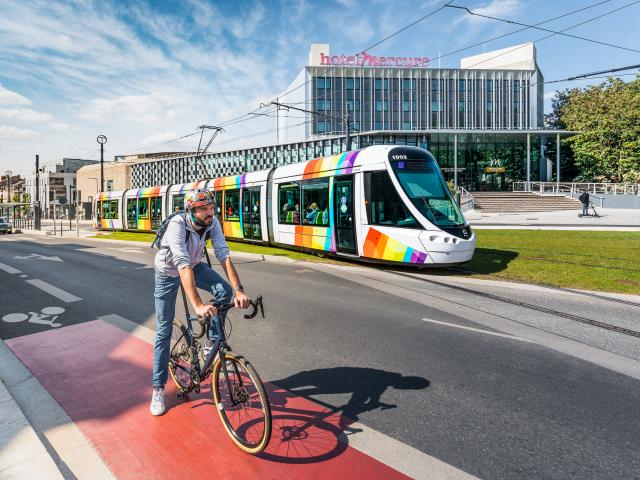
(517, 393)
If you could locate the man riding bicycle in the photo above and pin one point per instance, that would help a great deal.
(179, 262)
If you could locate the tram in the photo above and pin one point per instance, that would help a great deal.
(384, 204)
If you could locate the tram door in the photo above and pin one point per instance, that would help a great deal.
(218, 205)
(251, 213)
(343, 208)
(156, 212)
(132, 213)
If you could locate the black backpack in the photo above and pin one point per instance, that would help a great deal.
(163, 228)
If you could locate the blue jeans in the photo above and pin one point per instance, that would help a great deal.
(585, 209)
(165, 294)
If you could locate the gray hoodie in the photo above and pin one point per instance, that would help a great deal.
(175, 254)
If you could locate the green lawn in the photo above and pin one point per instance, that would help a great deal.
(233, 246)
(605, 261)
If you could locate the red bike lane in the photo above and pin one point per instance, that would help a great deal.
(101, 376)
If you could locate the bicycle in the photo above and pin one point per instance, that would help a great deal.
(237, 389)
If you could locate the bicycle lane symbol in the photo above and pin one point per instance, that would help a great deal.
(47, 316)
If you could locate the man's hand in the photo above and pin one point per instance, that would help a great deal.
(241, 300)
(206, 311)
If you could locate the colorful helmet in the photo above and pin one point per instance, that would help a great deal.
(198, 198)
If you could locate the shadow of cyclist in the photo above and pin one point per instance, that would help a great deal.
(304, 432)
(366, 386)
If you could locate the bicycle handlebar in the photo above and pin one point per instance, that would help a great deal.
(255, 304)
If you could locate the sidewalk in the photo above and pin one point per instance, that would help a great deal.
(22, 453)
(610, 219)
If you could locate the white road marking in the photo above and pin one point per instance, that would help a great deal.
(126, 249)
(53, 290)
(37, 256)
(471, 329)
(9, 269)
(392, 452)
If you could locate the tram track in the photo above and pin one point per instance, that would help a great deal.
(550, 287)
(530, 306)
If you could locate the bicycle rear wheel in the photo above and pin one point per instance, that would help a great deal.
(242, 404)
(180, 361)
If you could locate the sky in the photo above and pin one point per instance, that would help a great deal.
(146, 73)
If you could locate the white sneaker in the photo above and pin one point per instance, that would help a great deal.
(206, 348)
(157, 401)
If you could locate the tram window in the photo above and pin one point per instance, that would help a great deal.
(232, 205)
(114, 209)
(289, 202)
(105, 209)
(385, 205)
(143, 208)
(422, 181)
(315, 198)
(178, 203)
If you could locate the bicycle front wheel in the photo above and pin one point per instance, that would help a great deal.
(180, 361)
(242, 403)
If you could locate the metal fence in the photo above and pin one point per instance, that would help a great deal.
(566, 188)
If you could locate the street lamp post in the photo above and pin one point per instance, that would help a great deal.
(8, 173)
(101, 140)
(36, 218)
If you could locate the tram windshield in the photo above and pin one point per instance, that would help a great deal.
(422, 181)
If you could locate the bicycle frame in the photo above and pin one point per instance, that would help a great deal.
(220, 347)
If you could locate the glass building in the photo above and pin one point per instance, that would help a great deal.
(483, 121)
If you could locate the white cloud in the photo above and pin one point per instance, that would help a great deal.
(24, 115)
(8, 97)
(244, 26)
(495, 8)
(61, 126)
(13, 133)
(159, 138)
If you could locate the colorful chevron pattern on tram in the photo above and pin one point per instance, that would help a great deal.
(380, 246)
(330, 166)
(317, 238)
(192, 186)
(234, 181)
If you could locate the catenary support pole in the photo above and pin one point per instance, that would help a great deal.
(558, 160)
(528, 161)
(455, 160)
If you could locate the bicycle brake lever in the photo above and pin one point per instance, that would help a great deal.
(255, 304)
(260, 304)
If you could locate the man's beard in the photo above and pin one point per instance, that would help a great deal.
(201, 223)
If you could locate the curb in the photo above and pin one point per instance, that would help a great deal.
(38, 440)
(22, 452)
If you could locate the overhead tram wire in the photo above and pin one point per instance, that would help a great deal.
(573, 12)
(553, 34)
(544, 29)
(591, 75)
(264, 132)
(256, 112)
(242, 119)
(406, 27)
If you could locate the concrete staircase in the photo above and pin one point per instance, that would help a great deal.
(522, 202)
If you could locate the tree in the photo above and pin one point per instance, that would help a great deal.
(608, 119)
(554, 120)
